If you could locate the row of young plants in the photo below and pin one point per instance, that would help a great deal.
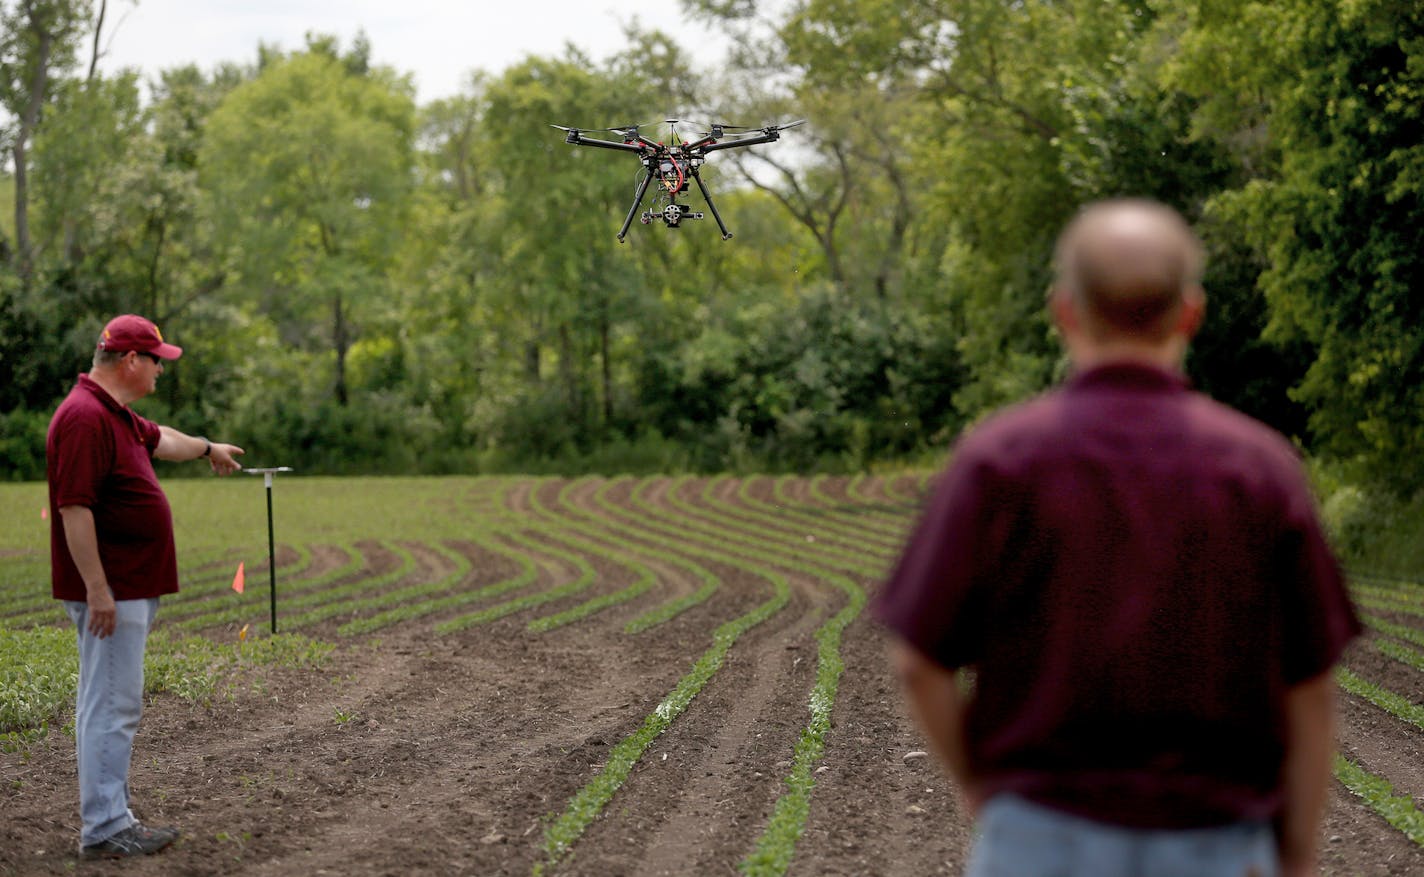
(586, 804)
(1396, 597)
(25, 594)
(1390, 635)
(752, 545)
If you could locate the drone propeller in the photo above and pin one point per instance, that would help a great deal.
(629, 130)
(720, 130)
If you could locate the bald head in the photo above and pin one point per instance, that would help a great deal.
(1129, 264)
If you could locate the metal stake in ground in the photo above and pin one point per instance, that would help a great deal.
(271, 544)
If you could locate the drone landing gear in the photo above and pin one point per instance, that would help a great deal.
(673, 213)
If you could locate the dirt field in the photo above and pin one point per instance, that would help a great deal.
(421, 752)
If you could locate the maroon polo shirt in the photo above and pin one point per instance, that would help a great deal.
(1136, 574)
(99, 454)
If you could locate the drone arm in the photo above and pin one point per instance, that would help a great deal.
(768, 137)
(577, 139)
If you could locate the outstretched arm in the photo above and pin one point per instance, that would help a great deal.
(178, 447)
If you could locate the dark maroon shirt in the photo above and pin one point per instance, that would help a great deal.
(1137, 575)
(99, 454)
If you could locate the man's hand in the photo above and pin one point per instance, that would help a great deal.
(937, 705)
(83, 545)
(103, 614)
(221, 458)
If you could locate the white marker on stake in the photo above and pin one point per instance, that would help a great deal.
(271, 544)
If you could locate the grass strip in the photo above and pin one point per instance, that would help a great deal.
(855, 490)
(889, 535)
(1399, 707)
(887, 522)
(1396, 605)
(527, 575)
(777, 844)
(194, 591)
(219, 572)
(1393, 583)
(589, 801)
(308, 596)
(714, 526)
(602, 529)
(387, 598)
(1398, 811)
(586, 577)
(1389, 628)
(1403, 654)
(39, 671)
(201, 605)
(644, 582)
(788, 517)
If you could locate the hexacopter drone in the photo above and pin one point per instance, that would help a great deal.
(672, 166)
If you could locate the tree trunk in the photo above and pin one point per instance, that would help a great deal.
(96, 52)
(23, 246)
(338, 337)
(566, 371)
(607, 365)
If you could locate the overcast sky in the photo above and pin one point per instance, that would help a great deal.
(438, 41)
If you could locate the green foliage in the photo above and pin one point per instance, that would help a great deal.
(1397, 706)
(39, 672)
(1376, 791)
(364, 285)
(310, 167)
(22, 444)
(1338, 93)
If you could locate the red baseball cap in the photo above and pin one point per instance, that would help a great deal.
(132, 332)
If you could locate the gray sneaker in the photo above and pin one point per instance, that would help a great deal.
(136, 840)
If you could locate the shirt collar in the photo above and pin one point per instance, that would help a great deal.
(1130, 376)
(100, 393)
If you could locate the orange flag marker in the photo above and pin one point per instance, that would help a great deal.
(239, 581)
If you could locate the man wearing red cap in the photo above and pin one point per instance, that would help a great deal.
(112, 556)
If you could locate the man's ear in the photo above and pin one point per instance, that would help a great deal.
(1192, 312)
(1064, 311)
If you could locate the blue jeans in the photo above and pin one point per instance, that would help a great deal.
(106, 713)
(1016, 838)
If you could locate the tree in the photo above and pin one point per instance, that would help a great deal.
(308, 167)
(38, 38)
(1324, 101)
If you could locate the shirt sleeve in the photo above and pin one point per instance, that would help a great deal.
(1319, 620)
(935, 597)
(85, 453)
(148, 431)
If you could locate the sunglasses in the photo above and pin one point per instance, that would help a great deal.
(153, 357)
